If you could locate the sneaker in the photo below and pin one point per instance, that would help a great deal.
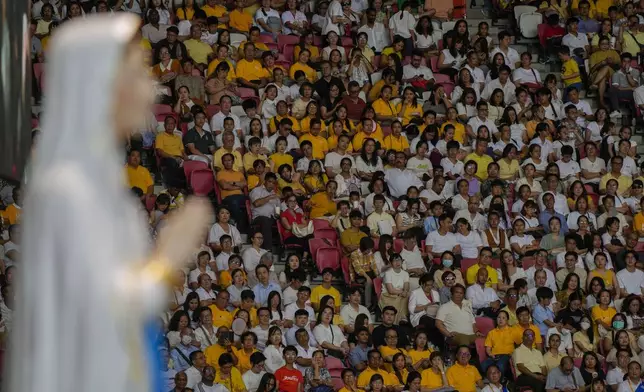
(616, 114)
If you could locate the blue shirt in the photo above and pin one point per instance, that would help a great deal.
(544, 218)
(539, 315)
(262, 292)
(358, 355)
(180, 364)
(430, 224)
(587, 26)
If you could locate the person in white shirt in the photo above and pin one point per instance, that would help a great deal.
(253, 376)
(441, 240)
(423, 301)
(334, 158)
(350, 311)
(482, 297)
(399, 178)
(268, 19)
(217, 123)
(402, 23)
(575, 40)
(569, 170)
(481, 119)
(304, 349)
(634, 380)
(630, 279)
(478, 77)
(334, 16)
(154, 31)
(415, 70)
(502, 82)
(377, 35)
(615, 376)
(301, 322)
(285, 128)
(525, 73)
(293, 20)
(592, 167)
(193, 373)
(207, 383)
(510, 56)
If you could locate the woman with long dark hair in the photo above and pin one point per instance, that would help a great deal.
(450, 59)
(267, 383)
(384, 253)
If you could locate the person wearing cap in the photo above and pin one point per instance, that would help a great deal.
(253, 377)
(325, 288)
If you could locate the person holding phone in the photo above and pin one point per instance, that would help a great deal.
(225, 338)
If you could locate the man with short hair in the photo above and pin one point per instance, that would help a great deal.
(285, 129)
(549, 212)
(193, 373)
(301, 322)
(304, 349)
(615, 173)
(169, 148)
(630, 279)
(377, 35)
(253, 377)
(137, 176)
(198, 50)
(264, 286)
(510, 56)
(485, 262)
(530, 366)
(503, 83)
(323, 85)
(484, 299)
(388, 318)
(217, 123)
(265, 204)
(229, 375)
(571, 260)
(301, 303)
(325, 289)
(288, 378)
(208, 383)
(418, 74)
(455, 318)
(375, 367)
(623, 83)
(355, 105)
(463, 376)
(399, 178)
(565, 377)
(220, 315)
(480, 156)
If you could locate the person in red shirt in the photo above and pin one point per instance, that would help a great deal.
(289, 379)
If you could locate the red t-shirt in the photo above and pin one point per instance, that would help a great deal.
(288, 380)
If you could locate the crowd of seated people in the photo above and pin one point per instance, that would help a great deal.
(489, 219)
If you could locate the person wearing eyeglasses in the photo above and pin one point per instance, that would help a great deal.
(529, 364)
(463, 376)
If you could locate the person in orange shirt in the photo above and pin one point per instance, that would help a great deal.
(12, 213)
(239, 21)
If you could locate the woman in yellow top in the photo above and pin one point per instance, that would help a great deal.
(606, 275)
(581, 340)
(602, 314)
(420, 352)
(367, 130)
(459, 129)
(303, 65)
(253, 37)
(499, 343)
(434, 377)
(409, 108)
(559, 7)
(396, 141)
(349, 379)
(323, 203)
(248, 343)
(315, 179)
(187, 10)
(553, 356)
(601, 66)
(312, 111)
(578, 192)
(390, 349)
(385, 111)
(396, 49)
(280, 157)
(509, 164)
(366, 51)
(306, 42)
(399, 368)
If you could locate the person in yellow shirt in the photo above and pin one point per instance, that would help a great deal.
(374, 360)
(257, 179)
(592, 9)
(228, 375)
(12, 213)
(367, 130)
(638, 219)
(198, 50)
(214, 8)
(390, 349)
(479, 155)
(396, 141)
(338, 129)
(250, 72)
(220, 316)
(280, 157)
(253, 37)
(319, 145)
(228, 143)
(222, 55)
(239, 21)
(388, 79)
(253, 154)
(325, 289)
(187, 10)
(409, 108)
(288, 179)
(223, 345)
(396, 49)
(569, 70)
(459, 128)
(350, 382)
(282, 113)
(523, 315)
(137, 175)
(485, 261)
(463, 376)
(303, 65)
(245, 354)
(385, 111)
(499, 344)
(434, 377)
(323, 203)
(169, 147)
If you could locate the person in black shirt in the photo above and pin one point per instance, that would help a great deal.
(177, 49)
(199, 143)
(378, 335)
(323, 85)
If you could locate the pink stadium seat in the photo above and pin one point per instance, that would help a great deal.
(203, 182)
(484, 325)
(377, 286)
(347, 41)
(288, 51)
(321, 224)
(283, 40)
(190, 166)
(467, 263)
(330, 234)
(328, 258)
(211, 110)
(480, 349)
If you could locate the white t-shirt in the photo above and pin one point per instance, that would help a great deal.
(440, 243)
(333, 160)
(593, 167)
(419, 166)
(570, 168)
(274, 358)
(632, 282)
(469, 244)
(521, 241)
(401, 23)
(331, 334)
(419, 298)
(252, 379)
(396, 279)
(523, 75)
(349, 314)
(216, 231)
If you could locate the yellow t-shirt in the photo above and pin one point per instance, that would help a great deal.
(252, 182)
(396, 143)
(311, 74)
(387, 351)
(187, 15)
(231, 72)
(279, 158)
(243, 363)
(350, 237)
(238, 164)
(592, 13)
(212, 354)
(198, 50)
(383, 108)
(360, 137)
(431, 380)
(250, 158)
(507, 170)
(320, 292)
(321, 205)
(314, 182)
(218, 11)
(607, 276)
(482, 163)
(333, 143)
(606, 316)
(518, 330)
(273, 123)
(409, 113)
(638, 221)
(221, 318)
(12, 213)
(365, 377)
(254, 321)
(623, 182)
(459, 131)
(463, 378)
(374, 93)
(170, 144)
(139, 177)
(568, 68)
(320, 145)
(416, 355)
(501, 340)
(281, 184)
(315, 52)
(240, 20)
(251, 70)
(234, 383)
(470, 275)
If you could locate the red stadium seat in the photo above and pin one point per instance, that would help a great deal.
(162, 109)
(272, 46)
(347, 41)
(288, 51)
(480, 349)
(283, 40)
(321, 224)
(467, 263)
(448, 88)
(398, 245)
(267, 39)
(211, 110)
(245, 92)
(527, 262)
(202, 182)
(318, 243)
(286, 247)
(377, 286)
(330, 234)
(440, 78)
(190, 166)
(328, 258)
(434, 63)
(484, 325)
